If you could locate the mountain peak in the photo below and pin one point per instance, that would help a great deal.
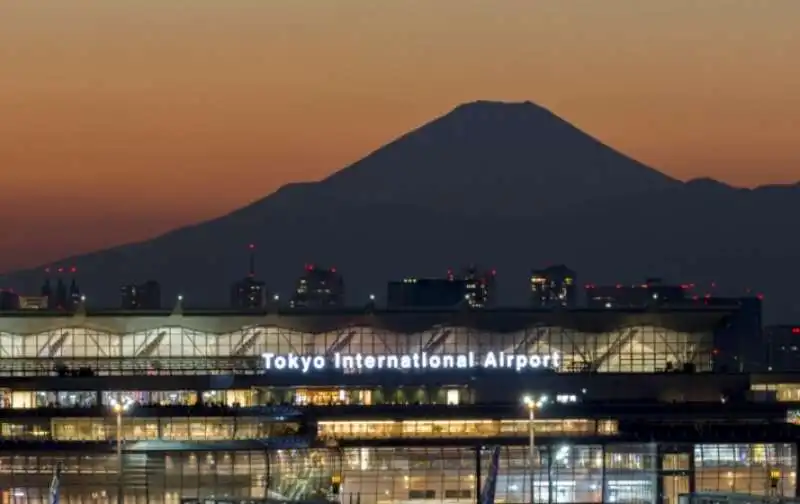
(519, 150)
(506, 183)
(494, 112)
(527, 106)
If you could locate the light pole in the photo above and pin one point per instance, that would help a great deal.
(532, 403)
(118, 409)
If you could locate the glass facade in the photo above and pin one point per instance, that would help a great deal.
(198, 428)
(211, 345)
(146, 429)
(784, 392)
(410, 429)
(633, 473)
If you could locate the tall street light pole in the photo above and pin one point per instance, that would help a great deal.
(118, 409)
(532, 403)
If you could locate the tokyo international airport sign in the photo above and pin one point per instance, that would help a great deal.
(414, 361)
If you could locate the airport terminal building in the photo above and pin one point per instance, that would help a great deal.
(392, 407)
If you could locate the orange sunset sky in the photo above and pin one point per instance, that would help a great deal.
(120, 119)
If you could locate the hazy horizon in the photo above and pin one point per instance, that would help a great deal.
(107, 106)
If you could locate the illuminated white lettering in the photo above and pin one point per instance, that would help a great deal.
(348, 362)
(421, 360)
(305, 361)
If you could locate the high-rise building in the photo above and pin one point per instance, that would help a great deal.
(249, 293)
(146, 296)
(75, 296)
(62, 297)
(783, 349)
(653, 292)
(426, 293)
(318, 288)
(554, 287)
(47, 291)
(478, 286)
(474, 288)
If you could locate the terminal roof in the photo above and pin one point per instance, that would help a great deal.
(694, 319)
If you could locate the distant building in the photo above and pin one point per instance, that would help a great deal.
(318, 288)
(426, 293)
(742, 346)
(653, 292)
(783, 349)
(9, 300)
(146, 296)
(61, 297)
(554, 287)
(478, 286)
(75, 296)
(249, 293)
(47, 292)
(473, 289)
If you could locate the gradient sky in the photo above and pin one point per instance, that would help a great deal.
(121, 119)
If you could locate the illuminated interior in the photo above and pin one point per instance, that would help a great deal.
(178, 350)
(463, 428)
(561, 474)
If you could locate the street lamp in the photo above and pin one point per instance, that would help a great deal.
(532, 403)
(118, 409)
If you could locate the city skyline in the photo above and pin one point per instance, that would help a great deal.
(186, 113)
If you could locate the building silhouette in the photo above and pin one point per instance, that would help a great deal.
(653, 292)
(554, 287)
(9, 300)
(249, 293)
(425, 293)
(47, 292)
(479, 286)
(74, 296)
(318, 288)
(60, 297)
(146, 296)
(473, 289)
